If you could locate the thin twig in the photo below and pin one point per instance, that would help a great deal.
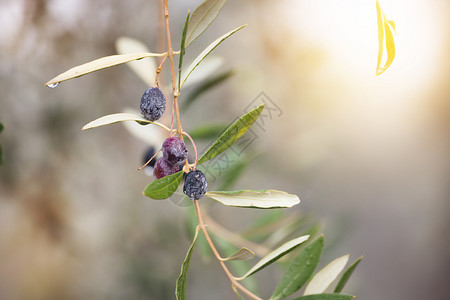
(149, 160)
(172, 71)
(160, 125)
(201, 223)
(171, 122)
(176, 111)
(158, 71)
(235, 239)
(195, 148)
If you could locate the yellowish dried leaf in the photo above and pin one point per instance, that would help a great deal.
(385, 41)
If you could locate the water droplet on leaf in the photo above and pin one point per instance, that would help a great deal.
(53, 85)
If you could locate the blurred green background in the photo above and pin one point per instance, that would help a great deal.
(368, 156)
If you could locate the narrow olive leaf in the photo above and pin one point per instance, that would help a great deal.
(344, 278)
(326, 297)
(385, 38)
(241, 254)
(98, 64)
(164, 187)
(119, 117)
(202, 17)
(232, 134)
(390, 46)
(206, 132)
(182, 50)
(255, 199)
(322, 279)
(380, 36)
(275, 255)
(391, 23)
(299, 270)
(1, 127)
(205, 86)
(145, 69)
(180, 290)
(205, 52)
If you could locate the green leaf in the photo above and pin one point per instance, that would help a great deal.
(205, 86)
(326, 297)
(322, 279)
(232, 134)
(205, 52)
(205, 132)
(182, 49)
(98, 64)
(299, 270)
(164, 187)
(344, 278)
(275, 255)
(1, 127)
(119, 117)
(255, 199)
(145, 69)
(180, 290)
(385, 38)
(241, 254)
(202, 17)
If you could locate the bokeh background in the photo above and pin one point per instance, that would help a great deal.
(368, 156)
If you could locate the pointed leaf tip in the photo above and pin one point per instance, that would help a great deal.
(275, 255)
(255, 199)
(241, 254)
(98, 64)
(182, 49)
(180, 289)
(322, 279)
(300, 270)
(202, 17)
(346, 275)
(120, 117)
(234, 132)
(205, 53)
(164, 187)
(385, 39)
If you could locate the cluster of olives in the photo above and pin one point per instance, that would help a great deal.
(153, 105)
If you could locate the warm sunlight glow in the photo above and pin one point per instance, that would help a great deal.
(348, 32)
